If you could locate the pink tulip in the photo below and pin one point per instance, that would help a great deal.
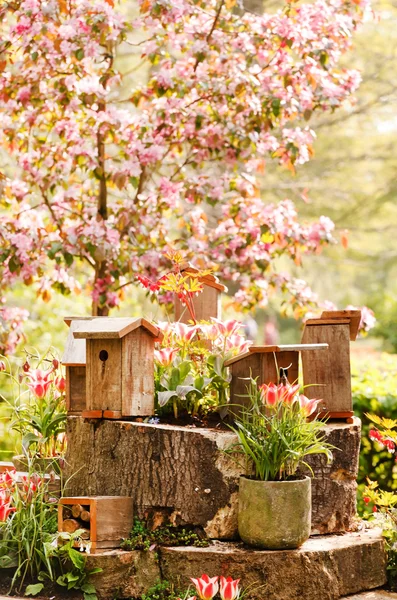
(39, 382)
(288, 393)
(308, 406)
(164, 357)
(184, 332)
(229, 589)
(226, 328)
(269, 394)
(207, 587)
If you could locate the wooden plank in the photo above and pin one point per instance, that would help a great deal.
(249, 366)
(353, 315)
(328, 373)
(272, 363)
(75, 352)
(272, 349)
(206, 305)
(76, 389)
(114, 518)
(111, 328)
(326, 321)
(137, 374)
(104, 374)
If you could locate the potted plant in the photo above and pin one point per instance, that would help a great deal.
(275, 437)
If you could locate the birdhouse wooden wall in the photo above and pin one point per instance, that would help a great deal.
(264, 363)
(120, 367)
(207, 303)
(328, 374)
(74, 360)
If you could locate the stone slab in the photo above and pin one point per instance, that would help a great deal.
(183, 475)
(374, 595)
(324, 568)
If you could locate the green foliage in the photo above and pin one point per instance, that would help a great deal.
(141, 538)
(275, 441)
(374, 387)
(164, 590)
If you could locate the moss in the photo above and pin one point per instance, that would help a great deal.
(141, 538)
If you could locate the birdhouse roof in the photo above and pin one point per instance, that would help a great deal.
(111, 328)
(211, 280)
(75, 350)
(339, 317)
(283, 348)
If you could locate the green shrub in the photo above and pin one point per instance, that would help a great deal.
(142, 538)
(374, 387)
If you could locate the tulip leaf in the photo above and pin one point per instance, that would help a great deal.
(164, 397)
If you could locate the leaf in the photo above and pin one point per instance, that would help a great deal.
(344, 238)
(230, 4)
(77, 559)
(164, 397)
(3, 64)
(34, 589)
(90, 596)
(89, 588)
(14, 264)
(79, 54)
(183, 390)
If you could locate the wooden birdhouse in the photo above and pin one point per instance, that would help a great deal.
(120, 366)
(207, 303)
(327, 374)
(264, 363)
(103, 520)
(74, 361)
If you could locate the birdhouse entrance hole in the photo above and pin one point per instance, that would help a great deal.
(103, 355)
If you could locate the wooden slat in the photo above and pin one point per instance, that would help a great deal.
(207, 304)
(275, 349)
(104, 376)
(75, 353)
(354, 317)
(75, 389)
(137, 374)
(112, 328)
(327, 374)
(327, 321)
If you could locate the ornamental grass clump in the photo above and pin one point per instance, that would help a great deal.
(275, 436)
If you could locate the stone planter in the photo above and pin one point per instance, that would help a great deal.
(275, 515)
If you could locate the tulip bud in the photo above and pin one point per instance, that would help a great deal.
(26, 367)
(60, 384)
(2, 365)
(55, 363)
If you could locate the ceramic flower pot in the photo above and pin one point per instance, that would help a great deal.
(274, 515)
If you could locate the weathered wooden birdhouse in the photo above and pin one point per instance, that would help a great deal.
(327, 374)
(120, 366)
(102, 520)
(264, 363)
(207, 303)
(74, 361)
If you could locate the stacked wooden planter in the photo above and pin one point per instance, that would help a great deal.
(182, 475)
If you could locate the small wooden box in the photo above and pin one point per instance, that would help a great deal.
(328, 375)
(206, 304)
(74, 359)
(120, 366)
(111, 518)
(264, 363)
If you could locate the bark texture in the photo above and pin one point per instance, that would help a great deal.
(325, 568)
(182, 474)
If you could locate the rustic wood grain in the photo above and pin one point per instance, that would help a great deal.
(328, 373)
(104, 376)
(75, 389)
(111, 328)
(74, 353)
(206, 305)
(137, 374)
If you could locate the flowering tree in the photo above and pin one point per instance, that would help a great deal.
(110, 182)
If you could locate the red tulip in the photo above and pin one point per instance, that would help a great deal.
(308, 406)
(5, 510)
(287, 393)
(184, 332)
(60, 384)
(207, 587)
(229, 589)
(269, 394)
